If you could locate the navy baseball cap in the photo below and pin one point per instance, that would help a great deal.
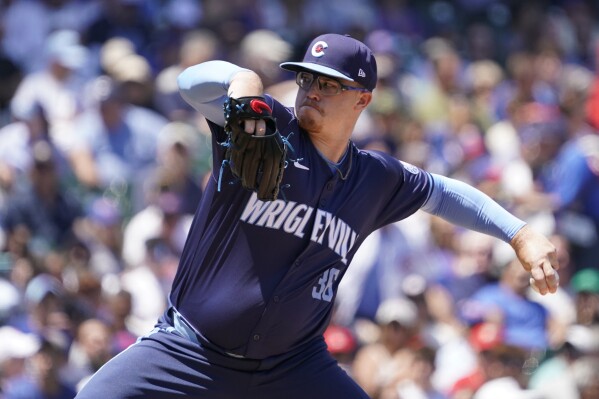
(338, 56)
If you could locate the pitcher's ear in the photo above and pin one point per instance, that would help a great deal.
(364, 99)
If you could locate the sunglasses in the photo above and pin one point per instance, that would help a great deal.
(326, 86)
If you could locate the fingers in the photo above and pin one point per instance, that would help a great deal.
(249, 125)
(544, 279)
(537, 280)
(260, 127)
(547, 279)
(551, 276)
(552, 256)
(539, 256)
(253, 126)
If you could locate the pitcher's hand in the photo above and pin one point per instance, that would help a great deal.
(539, 257)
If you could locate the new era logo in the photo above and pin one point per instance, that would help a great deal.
(361, 73)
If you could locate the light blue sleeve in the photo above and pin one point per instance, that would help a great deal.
(204, 86)
(464, 205)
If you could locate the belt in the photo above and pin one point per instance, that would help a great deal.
(184, 328)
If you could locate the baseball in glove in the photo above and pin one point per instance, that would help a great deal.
(258, 161)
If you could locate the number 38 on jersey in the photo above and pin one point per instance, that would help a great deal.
(324, 290)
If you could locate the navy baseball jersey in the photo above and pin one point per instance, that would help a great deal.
(257, 278)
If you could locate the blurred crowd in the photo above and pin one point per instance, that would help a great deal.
(102, 165)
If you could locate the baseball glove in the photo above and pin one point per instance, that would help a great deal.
(258, 161)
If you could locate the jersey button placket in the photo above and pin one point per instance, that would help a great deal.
(326, 194)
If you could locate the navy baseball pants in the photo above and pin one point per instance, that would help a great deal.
(166, 364)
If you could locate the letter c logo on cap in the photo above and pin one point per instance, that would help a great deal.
(318, 48)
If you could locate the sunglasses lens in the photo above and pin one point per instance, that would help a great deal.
(304, 80)
(328, 87)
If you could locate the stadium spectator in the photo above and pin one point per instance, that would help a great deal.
(58, 87)
(91, 348)
(119, 312)
(556, 377)
(196, 46)
(101, 232)
(524, 322)
(379, 365)
(117, 144)
(41, 210)
(43, 378)
(342, 344)
(585, 285)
